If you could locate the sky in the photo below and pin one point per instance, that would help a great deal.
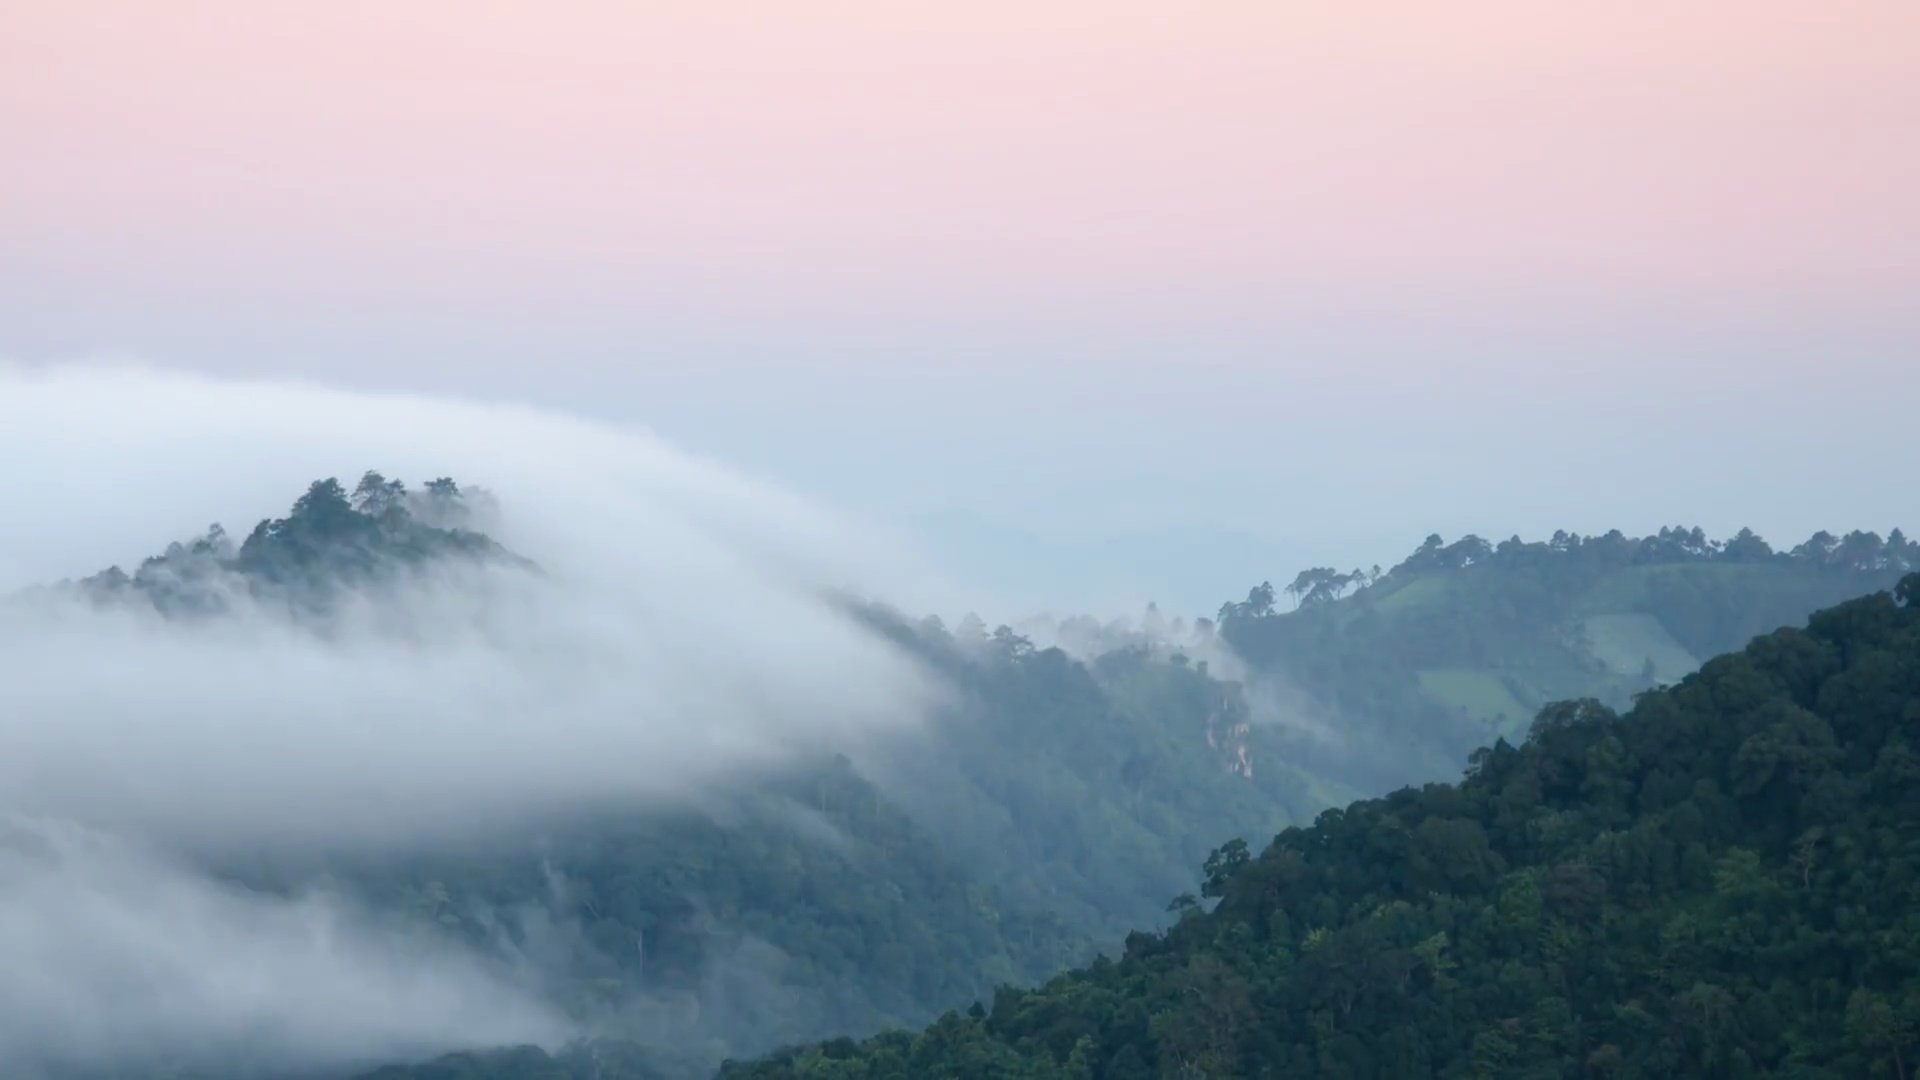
(1101, 302)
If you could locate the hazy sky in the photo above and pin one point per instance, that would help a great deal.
(1108, 300)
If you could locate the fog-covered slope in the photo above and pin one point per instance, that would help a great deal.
(654, 883)
(1720, 883)
(1027, 808)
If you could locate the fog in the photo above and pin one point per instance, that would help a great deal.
(677, 633)
(116, 952)
(1272, 699)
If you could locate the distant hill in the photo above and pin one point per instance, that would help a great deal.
(329, 542)
(1720, 883)
(1087, 789)
(1404, 672)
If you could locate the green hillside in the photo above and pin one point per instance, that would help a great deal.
(1719, 883)
(1463, 642)
(1636, 645)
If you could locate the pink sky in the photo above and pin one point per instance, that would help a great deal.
(1330, 276)
(895, 156)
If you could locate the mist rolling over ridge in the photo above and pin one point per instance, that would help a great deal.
(675, 632)
(992, 541)
(563, 752)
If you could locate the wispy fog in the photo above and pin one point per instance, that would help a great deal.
(676, 633)
(117, 953)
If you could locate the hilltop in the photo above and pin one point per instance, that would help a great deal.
(1464, 642)
(331, 542)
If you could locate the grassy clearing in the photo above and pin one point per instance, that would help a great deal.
(1479, 695)
(1626, 642)
(1421, 592)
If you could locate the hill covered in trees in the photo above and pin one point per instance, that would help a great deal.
(330, 542)
(1464, 642)
(1047, 806)
(1719, 882)
(1054, 801)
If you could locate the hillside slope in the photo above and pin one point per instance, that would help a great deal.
(1720, 883)
(1462, 643)
(1047, 807)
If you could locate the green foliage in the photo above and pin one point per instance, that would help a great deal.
(1719, 883)
(328, 542)
(1460, 642)
(1087, 791)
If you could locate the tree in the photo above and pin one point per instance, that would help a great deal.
(375, 494)
(1258, 604)
(1321, 585)
(1745, 546)
(324, 499)
(1819, 548)
(1901, 553)
(1861, 551)
(1879, 1029)
(1009, 645)
(1221, 866)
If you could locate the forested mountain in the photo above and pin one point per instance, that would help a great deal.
(1464, 642)
(1053, 802)
(1050, 805)
(1718, 883)
(1089, 790)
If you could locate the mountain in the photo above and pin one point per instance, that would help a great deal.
(330, 543)
(1053, 801)
(1045, 807)
(1719, 882)
(1464, 642)
(1051, 805)
(1089, 789)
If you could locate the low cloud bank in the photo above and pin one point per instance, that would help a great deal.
(117, 953)
(678, 633)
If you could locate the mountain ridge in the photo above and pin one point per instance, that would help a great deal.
(1715, 884)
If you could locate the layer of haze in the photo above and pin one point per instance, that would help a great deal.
(1108, 301)
(679, 634)
(118, 955)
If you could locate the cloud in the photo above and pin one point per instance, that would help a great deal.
(677, 635)
(116, 952)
